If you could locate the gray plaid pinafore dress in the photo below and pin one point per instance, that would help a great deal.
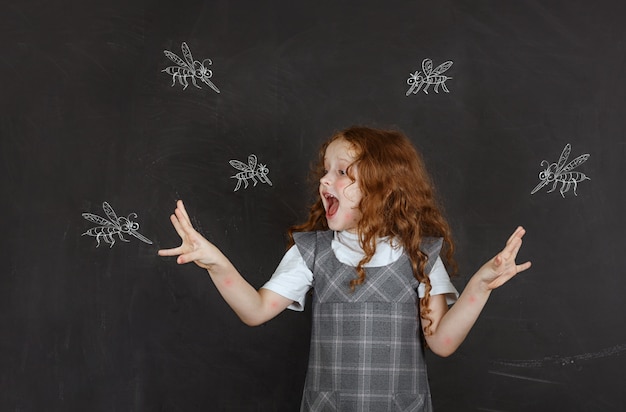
(366, 346)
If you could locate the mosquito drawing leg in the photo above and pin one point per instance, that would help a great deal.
(445, 89)
(553, 187)
(238, 185)
(121, 237)
(193, 80)
(254, 180)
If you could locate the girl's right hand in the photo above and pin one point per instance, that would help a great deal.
(194, 247)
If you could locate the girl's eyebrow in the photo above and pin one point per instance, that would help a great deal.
(341, 159)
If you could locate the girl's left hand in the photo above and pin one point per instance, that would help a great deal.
(502, 267)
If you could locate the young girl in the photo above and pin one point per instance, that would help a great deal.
(370, 252)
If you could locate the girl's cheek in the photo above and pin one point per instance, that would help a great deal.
(352, 217)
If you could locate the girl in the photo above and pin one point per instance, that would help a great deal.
(370, 250)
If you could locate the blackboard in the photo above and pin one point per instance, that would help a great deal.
(90, 115)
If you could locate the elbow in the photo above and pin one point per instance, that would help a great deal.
(443, 347)
(443, 353)
(252, 322)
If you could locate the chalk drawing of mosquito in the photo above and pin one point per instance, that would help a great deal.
(112, 226)
(560, 173)
(250, 171)
(428, 77)
(189, 69)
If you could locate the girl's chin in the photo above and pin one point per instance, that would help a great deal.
(340, 226)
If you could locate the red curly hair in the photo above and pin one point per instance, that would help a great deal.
(398, 201)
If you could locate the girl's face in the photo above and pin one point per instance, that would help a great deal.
(340, 195)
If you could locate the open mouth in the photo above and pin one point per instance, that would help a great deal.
(332, 204)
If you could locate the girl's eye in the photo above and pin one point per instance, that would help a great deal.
(342, 172)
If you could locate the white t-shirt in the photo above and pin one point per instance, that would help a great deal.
(293, 279)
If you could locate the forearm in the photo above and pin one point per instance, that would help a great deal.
(254, 307)
(450, 327)
(454, 326)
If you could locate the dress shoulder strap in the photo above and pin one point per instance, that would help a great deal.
(308, 244)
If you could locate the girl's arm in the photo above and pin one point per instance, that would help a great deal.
(450, 327)
(253, 307)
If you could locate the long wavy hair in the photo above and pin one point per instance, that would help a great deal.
(398, 201)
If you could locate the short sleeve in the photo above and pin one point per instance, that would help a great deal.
(440, 283)
(292, 279)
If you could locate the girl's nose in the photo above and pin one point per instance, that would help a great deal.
(325, 180)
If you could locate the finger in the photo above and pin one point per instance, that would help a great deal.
(178, 226)
(524, 266)
(518, 233)
(181, 206)
(183, 217)
(170, 252)
(512, 247)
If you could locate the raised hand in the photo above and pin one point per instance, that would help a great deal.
(503, 267)
(194, 247)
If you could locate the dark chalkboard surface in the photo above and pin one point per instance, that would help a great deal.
(92, 114)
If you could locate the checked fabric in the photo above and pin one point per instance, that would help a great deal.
(366, 345)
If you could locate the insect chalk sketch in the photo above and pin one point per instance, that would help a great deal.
(189, 69)
(112, 226)
(559, 173)
(428, 77)
(250, 171)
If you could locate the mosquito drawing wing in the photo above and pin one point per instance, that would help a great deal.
(245, 167)
(98, 220)
(110, 212)
(427, 66)
(238, 165)
(187, 55)
(563, 158)
(252, 161)
(441, 68)
(575, 163)
(173, 57)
